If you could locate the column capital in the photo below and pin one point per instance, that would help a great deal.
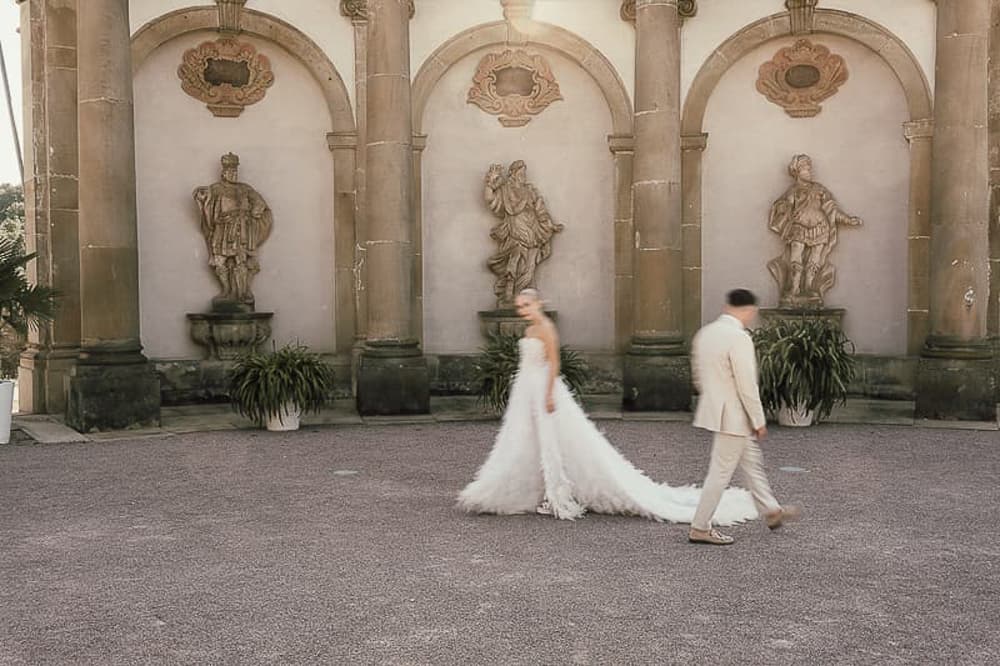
(621, 143)
(918, 129)
(694, 141)
(342, 140)
(357, 10)
(685, 8)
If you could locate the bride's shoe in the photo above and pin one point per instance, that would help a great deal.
(713, 537)
(544, 509)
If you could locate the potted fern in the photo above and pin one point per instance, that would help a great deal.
(806, 365)
(497, 364)
(274, 389)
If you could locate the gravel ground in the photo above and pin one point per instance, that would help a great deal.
(341, 545)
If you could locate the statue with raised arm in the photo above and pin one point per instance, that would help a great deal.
(524, 233)
(235, 221)
(806, 217)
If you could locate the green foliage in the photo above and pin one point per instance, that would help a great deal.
(262, 383)
(12, 213)
(804, 362)
(497, 365)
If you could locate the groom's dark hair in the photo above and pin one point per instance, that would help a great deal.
(739, 298)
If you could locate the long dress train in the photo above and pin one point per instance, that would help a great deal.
(562, 457)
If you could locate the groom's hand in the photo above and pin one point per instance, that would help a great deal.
(760, 433)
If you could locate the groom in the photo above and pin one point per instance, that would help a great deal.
(724, 369)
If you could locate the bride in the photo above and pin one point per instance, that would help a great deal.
(550, 458)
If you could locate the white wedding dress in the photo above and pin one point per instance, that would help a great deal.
(563, 458)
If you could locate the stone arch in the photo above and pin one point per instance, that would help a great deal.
(918, 131)
(182, 21)
(535, 34)
(342, 138)
(599, 68)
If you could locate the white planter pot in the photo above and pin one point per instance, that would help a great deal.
(796, 417)
(6, 409)
(289, 419)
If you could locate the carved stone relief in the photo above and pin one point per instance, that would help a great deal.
(801, 76)
(227, 75)
(806, 217)
(357, 10)
(685, 9)
(524, 233)
(513, 85)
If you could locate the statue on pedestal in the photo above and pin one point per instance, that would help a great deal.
(524, 234)
(806, 217)
(235, 221)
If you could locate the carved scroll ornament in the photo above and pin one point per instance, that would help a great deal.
(801, 76)
(513, 85)
(227, 75)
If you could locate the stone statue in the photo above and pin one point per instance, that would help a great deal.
(806, 217)
(524, 235)
(235, 221)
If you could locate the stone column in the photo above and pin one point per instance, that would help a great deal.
(955, 378)
(113, 385)
(392, 373)
(343, 146)
(48, 39)
(692, 147)
(993, 312)
(919, 134)
(656, 372)
(623, 148)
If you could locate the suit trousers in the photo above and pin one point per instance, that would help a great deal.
(728, 453)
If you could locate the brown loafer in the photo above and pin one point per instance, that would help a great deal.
(783, 515)
(712, 537)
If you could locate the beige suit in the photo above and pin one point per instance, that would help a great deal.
(724, 370)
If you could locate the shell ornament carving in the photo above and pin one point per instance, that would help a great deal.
(227, 75)
(801, 76)
(514, 85)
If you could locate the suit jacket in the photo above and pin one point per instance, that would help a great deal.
(724, 370)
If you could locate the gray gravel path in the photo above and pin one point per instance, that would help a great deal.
(340, 545)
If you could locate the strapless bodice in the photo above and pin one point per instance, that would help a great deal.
(532, 352)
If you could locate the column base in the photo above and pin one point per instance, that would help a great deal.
(393, 379)
(657, 377)
(956, 382)
(113, 396)
(42, 376)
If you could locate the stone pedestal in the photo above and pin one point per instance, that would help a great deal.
(505, 321)
(393, 378)
(227, 335)
(113, 396)
(834, 315)
(956, 380)
(656, 377)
